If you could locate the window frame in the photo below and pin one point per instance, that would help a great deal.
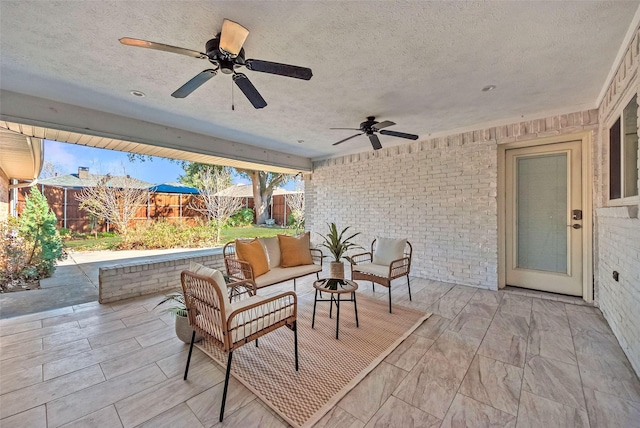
(618, 114)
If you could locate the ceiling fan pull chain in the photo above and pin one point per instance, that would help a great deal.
(233, 105)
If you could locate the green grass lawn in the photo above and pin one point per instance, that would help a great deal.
(230, 234)
(92, 244)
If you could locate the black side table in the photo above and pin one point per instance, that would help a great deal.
(335, 288)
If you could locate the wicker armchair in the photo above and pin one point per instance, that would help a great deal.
(363, 268)
(229, 325)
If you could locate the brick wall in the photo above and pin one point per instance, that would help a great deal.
(4, 196)
(617, 229)
(439, 193)
(124, 281)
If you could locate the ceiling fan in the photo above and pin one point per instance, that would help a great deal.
(225, 52)
(370, 127)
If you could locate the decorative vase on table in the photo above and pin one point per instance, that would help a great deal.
(338, 245)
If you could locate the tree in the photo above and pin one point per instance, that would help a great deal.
(295, 201)
(192, 171)
(210, 182)
(263, 184)
(115, 199)
(49, 170)
(37, 225)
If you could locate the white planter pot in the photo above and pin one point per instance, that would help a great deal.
(184, 330)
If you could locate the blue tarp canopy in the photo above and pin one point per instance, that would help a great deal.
(173, 188)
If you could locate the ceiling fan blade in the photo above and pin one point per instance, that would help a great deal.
(348, 138)
(194, 83)
(384, 124)
(399, 134)
(350, 129)
(375, 142)
(161, 47)
(232, 37)
(249, 90)
(279, 69)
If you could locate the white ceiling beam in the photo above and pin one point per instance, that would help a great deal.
(29, 110)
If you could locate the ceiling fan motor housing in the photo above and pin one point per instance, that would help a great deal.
(219, 57)
(366, 126)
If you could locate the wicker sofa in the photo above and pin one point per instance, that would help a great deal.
(240, 270)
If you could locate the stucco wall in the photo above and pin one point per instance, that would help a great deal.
(617, 229)
(439, 193)
(4, 196)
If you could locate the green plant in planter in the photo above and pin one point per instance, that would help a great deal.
(179, 311)
(179, 308)
(337, 244)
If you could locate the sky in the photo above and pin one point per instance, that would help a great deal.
(68, 157)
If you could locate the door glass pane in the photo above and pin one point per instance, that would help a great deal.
(542, 212)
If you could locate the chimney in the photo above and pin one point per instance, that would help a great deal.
(83, 172)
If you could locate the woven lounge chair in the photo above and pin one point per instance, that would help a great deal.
(367, 267)
(229, 325)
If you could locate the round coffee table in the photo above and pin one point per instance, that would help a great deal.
(335, 287)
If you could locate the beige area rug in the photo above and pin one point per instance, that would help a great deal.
(329, 368)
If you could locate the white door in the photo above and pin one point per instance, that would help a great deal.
(544, 218)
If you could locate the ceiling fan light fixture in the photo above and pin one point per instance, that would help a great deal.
(232, 37)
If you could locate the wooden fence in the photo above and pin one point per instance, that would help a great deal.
(170, 206)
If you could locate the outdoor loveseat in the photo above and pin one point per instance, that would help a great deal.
(268, 261)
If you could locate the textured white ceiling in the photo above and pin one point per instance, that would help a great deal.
(419, 64)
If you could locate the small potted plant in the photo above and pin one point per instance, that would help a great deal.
(338, 245)
(179, 311)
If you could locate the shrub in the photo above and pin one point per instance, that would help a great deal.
(244, 217)
(37, 225)
(30, 245)
(165, 234)
(296, 219)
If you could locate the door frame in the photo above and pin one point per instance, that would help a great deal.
(586, 138)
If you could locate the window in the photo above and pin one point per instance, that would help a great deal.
(623, 149)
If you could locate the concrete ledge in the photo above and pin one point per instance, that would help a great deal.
(156, 274)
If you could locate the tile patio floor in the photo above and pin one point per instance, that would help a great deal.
(483, 359)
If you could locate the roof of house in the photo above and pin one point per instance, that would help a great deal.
(73, 181)
(246, 191)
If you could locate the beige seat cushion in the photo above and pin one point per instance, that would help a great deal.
(373, 269)
(279, 274)
(253, 253)
(272, 248)
(388, 250)
(250, 325)
(217, 276)
(295, 251)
